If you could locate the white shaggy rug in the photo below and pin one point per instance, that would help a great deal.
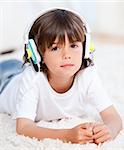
(111, 68)
(9, 140)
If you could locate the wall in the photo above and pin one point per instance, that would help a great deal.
(103, 17)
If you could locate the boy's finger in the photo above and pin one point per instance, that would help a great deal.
(88, 132)
(88, 138)
(90, 141)
(102, 139)
(98, 135)
(98, 128)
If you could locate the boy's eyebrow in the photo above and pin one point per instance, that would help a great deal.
(55, 43)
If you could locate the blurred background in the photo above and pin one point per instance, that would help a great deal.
(105, 19)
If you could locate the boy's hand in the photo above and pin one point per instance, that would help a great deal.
(101, 133)
(81, 134)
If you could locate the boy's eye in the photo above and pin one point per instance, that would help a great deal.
(54, 48)
(74, 46)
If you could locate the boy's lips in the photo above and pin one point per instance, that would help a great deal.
(67, 65)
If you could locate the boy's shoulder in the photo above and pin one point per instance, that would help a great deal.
(87, 73)
(30, 76)
(85, 77)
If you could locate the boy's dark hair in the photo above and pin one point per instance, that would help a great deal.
(53, 24)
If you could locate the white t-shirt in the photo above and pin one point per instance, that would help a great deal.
(29, 95)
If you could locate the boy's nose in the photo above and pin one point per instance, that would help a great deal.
(66, 54)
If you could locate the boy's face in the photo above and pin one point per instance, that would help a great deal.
(63, 60)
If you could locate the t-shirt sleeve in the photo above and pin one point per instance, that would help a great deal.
(96, 93)
(27, 98)
(93, 90)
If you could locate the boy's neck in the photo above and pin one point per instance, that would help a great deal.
(61, 85)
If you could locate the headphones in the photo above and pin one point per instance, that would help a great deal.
(32, 56)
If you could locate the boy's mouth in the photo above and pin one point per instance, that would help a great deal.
(67, 65)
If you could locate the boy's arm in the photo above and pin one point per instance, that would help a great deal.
(110, 128)
(27, 127)
(79, 134)
(112, 119)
